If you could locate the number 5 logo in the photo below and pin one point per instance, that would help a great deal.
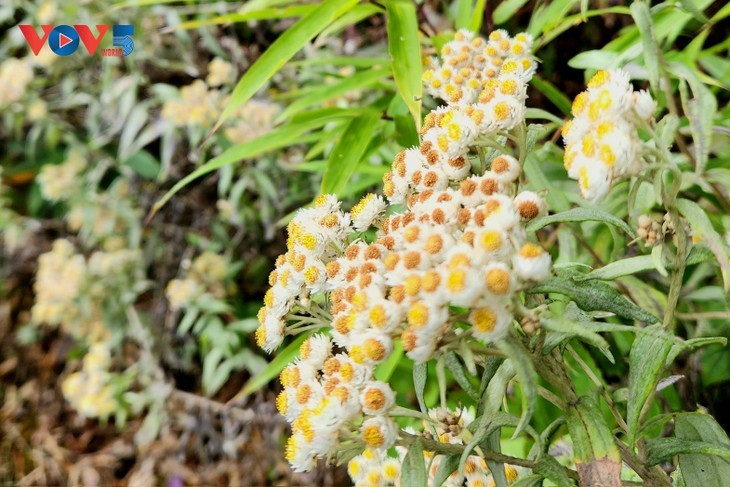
(123, 38)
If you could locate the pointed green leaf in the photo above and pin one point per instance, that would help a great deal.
(702, 228)
(698, 469)
(348, 152)
(522, 363)
(646, 361)
(580, 215)
(413, 471)
(282, 50)
(404, 48)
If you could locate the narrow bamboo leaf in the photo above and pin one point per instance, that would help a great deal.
(404, 48)
(593, 296)
(646, 360)
(477, 16)
(702, 228)
(281, 360)
(236, 17)
(359, 80)
(348, 151)
(448, 465)
(277, 138)
(596, 456)
(580, 215)
(642, 16)
(549, 16)
(553, 94)
(505, 10)
(463, 13)
(698, 469)
(282, 50)
(413, 471)
(527, 375)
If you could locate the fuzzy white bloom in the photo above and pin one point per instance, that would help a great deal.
(367, 211)
(379, 432)
(220, 72)
(532, 262)
(376, 398)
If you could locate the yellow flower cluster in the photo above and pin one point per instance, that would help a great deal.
(460, 244)
(207, 273)
(89, 391)
(601, 141)
(220, 72)
(253, 119)
(197, 106)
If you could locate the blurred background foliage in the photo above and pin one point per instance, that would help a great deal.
(137, 240)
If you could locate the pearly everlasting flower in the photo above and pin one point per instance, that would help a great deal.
(532, 262)
(379, 432)
(454, 243)
(370, 207)
(220, 72)
(601, 141)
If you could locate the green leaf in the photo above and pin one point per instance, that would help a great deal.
(640, 263)
(702, 228)
(596, 456)
(405, 54)
(447, 466)
(595, 59)
(384, 371)
(144, 164)
(457, 369)
(522, 363)
(646, 361)
(275, 139)
(420, 374)
(282, 50)
(275, 367)
(348, 151)
(593, 296)
(642, 16)
(413, 471)
(477, 16)
(549, 468)
(698, 469)
(580, 215)
(567, 329)
(506, 9)
(659, 449)
(553, 94)
(327, 92)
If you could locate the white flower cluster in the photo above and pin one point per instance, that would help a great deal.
(70, 289)
(460, 243)
(89, 391)
(374, 468)
(59, 182)
(602, 142)
(201, 102)
(469, 65)
(207, 273)
(15, 76)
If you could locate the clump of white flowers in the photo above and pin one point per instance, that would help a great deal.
(206, 275)
(220, 72)
(443, 270)
(59, 182)
(70, 290)
(15, 76)
(601, 141)
(89, 391)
